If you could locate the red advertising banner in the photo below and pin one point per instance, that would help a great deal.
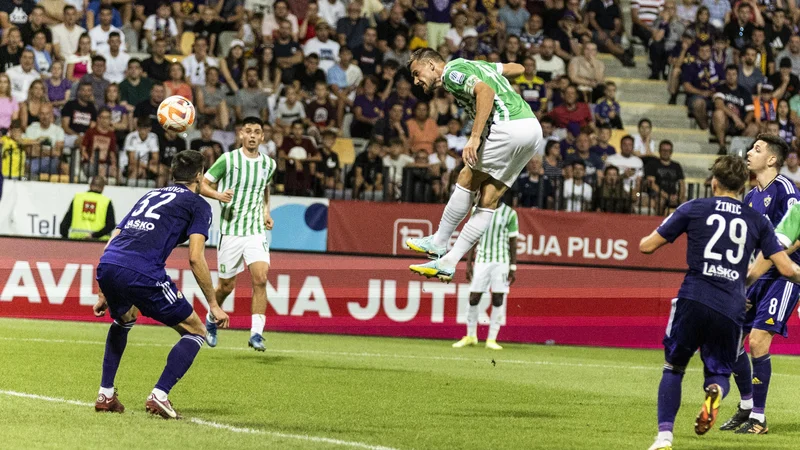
(376, 296)
(606, 240)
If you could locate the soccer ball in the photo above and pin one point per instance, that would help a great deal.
(176, 113)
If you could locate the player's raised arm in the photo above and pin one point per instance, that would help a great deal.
(512, 70)
(197, 261)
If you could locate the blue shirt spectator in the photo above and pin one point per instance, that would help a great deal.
(116, 18)
(514, 15)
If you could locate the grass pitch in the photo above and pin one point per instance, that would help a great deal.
(321, 391)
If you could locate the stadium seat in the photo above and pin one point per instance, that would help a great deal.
(187, 41)
(346, 150)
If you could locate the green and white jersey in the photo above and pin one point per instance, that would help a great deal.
(460, 76)
(789, 229)
(493, 246)
(249, 178)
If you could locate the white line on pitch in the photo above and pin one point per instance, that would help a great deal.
(654, 367)
(217, 425)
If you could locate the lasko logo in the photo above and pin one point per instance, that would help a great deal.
(457, 77)
(405, 229)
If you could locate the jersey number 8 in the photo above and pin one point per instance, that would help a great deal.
(737, 232)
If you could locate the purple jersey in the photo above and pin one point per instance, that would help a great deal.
(773, 202)
(159, 222)
(722, 234)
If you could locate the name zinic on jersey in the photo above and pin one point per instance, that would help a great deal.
(733, 208)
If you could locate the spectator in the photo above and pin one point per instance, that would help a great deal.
(231, 13)
(367, 110)
(99, 225)
(512, 52)
(792, 51)
(142, 151)
(607, 110)
(514, 16)
(58, 89)
(13, 154)
(592, 163)
(149, 107)
(630, 166)
(11, 52)
(533, 189)
(588, 73)
(156, 67)
(644, 13)
(786, 83)
(422, 130)
(301, 155)
(22, 76)
(750, 75)
(441, 160)
(392, 127)
(34, 25)
(565, 37)
(665, 177)
(233, 66)
(765, 106)
(350, 30)
(572, 111)
(733, 110)
(307, 74)
(97, 80)
(29, 110)
(211, 101)
(288, 111)
(331, 11)
(567, 145)
(177, 85)
(787, 126)
(94, 11)
(456, 140)
(764, 54)
(778, 33)
(134, 89)
(281, 12)
(419, 37)
(605, 20)
(548, 65)
(643, 143)
(41, 57)
(667, 32)
(101, 32)
(188, 14)
(99, 148)
(610, 196)
(269, 74)
(739, 30)
(443, 105)
(78, 115)
(533, 36)
(718, 12)
(328, 170)
(80, 63)
(577, 193)
(700, 80)
(552, 163)
(532, 87)
(367, 57)
(48, 145)
(458, 31)
(195, 64)
(399, 51)
(367, 173)
(268, 146)
(602, 148)
(308, 26)
(9, 107)
(790, 169)
(437, 20)
(15, 13)
(121, 117)
(161, 25)
(206, 145)
(320, 112)
(394, 162)
(288, 51)
(208, 27)
(327, 50)
(116, 59)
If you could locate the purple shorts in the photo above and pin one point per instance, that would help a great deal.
(773, 303)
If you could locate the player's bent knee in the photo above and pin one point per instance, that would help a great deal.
(475, 298)
(497, 300)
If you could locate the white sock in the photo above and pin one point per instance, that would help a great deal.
(209, 318)
(257, 324)
(758, 417)
(469, 236)
(160, 395)
(664, 436)
(457, 208)
(472, 321)
(746, 404)
(494, 324)
(108, 392)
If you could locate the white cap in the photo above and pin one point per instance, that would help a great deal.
(470, 32)
(236, 42)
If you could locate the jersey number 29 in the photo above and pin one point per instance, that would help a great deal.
(737, 232)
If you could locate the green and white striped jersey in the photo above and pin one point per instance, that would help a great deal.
(788, 230)
(493, 246)
(249, 178)
(460, 76)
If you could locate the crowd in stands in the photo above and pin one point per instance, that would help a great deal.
(83, 80)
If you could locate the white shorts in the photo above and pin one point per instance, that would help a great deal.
(490, 276)
(234, 252)
(508, 148)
